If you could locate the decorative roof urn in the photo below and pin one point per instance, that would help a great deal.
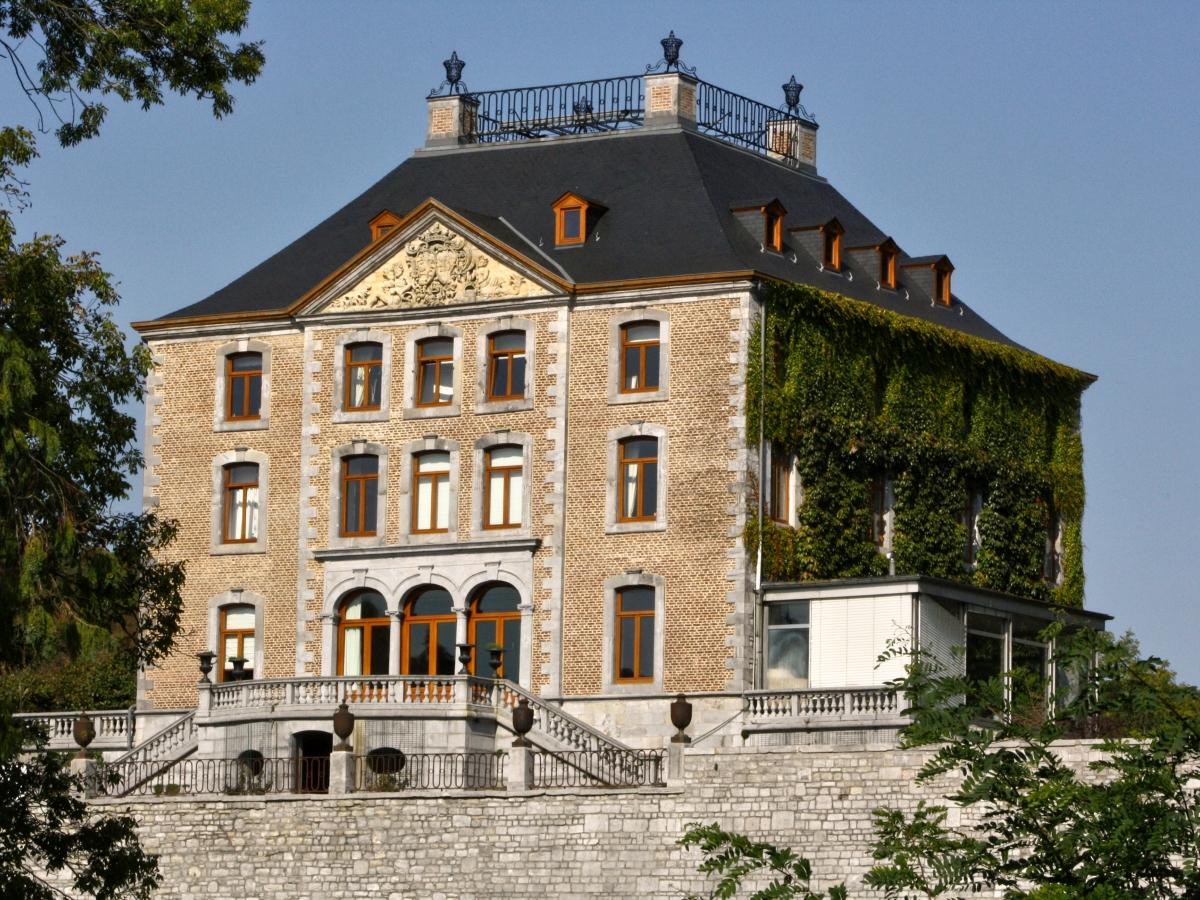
(343, 725)
(522, 719)
(681, 718)
(84, 733)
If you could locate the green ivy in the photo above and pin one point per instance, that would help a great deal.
(855, 393)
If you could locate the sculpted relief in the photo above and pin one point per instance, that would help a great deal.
(435, 268)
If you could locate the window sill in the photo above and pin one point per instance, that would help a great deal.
(431, 412)
(647, 397)
(487, 407)
(635, 527)
(342, 417)
(350, 543)
(239, 549)
(510, 544)
(622, 688)
(241, 425)
(500, 534)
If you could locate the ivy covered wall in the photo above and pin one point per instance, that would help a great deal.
(856, 393)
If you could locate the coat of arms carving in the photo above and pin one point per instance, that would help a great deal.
(435, 268)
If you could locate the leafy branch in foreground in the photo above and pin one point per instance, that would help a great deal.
(734, 857)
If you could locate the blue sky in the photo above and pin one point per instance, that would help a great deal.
(1049, 150)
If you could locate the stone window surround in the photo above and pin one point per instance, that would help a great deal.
(242, 345)
(663, 319)
(340, 584)
(408, 451)
(507, 323)
(220, 461)
(363, 336)
(612, 481)
(502, 439)
(608, 645)
(237, 597)
(436, 330)
(357, 448)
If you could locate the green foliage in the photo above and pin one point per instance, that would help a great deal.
(734, 857)
(857, 393)
(132, 49)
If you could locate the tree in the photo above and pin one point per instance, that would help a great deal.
(1128, 827)
(71, 570)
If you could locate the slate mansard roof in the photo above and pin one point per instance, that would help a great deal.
(668, 195)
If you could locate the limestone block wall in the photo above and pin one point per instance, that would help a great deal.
(616, 843)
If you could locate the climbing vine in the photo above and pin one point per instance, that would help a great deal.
(968, 432)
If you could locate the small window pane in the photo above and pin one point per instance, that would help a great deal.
(509, 340)
(485, 636)
(251, 495)
(507, 456)
(239, 617)
(231, 649)
(500, 379)
(793, 613)
(352, 651)
(498, 598)
(432, 602)
(418, 648)
(445, 648)
(516, 496)
(641, 448)
(370, 510)
(246, 362)
(437, 347)
(572, 219)
(626, 638)
(375, 387)
(362, 465)
(446, 388)
(641, 331)
(243, 473)
(443, 504)
(650, 489)
(255, 395)
(424, 505)
(633, 356)
(518, 375)
(352, 505)
(248, 649)
(367, 605)
(646, 647)
(428, 373)
(984, 657)
(496, 499)
(380, 647)
(434, 463)
(787, 658)
(511, 663)
(629, 492)
(366, 352)
(652, 366)
(636, 599)
(358, 387)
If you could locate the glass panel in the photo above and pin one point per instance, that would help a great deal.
(518, 375)
(485, 636)
(641, 331)
(239, 617)
(418, 648)
(370, 507)
(646, 647)
(251, 513)
(445, 648)
(632, 363)
(650, 489)
(991, 624)
(500, 377)
(375, 386)
(248, 649)
(432, 602)
(358, 386)
(437, 347)
(443, 504)
(1029, 668)
(496, 499)
(243, 473)
(366, 352)
(636, 599)
(516, 496)
(446, 388)
(352, 647)
(366, 605)
(424, 504)
(237, 398)
(509, 340)
(498, 598)
(511, 667)
(787, 658)
(1027, 628)
(434, 462)
(625, 638)
(507, 456)
(427, 375)
(572, 219)
(641, 448)
(352, 505)
(231, 650)
(233, 514)
(246, 362)
(792, 613)
(362, 465)
(629, 494)
(380, 641)
(255, 395)
(652, 357)
(984, 657)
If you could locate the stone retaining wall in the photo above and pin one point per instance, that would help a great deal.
(601, 843)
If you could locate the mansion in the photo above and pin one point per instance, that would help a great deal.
(502, 416)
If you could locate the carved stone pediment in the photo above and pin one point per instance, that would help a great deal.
(435, 268)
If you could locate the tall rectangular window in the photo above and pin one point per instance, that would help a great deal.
(240, 512)
(637, 464)
(887, 268)
(360, 495)
(236, 639)
(635, 634)
(877, 531)
(506, 366)
(435, 372)
(504, 487)
(431, 492)
(243, 385)
(787, 644)
(364, 377)
(640, 353)
(779, 499)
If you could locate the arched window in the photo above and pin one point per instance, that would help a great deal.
(496, 622)
(236, 639)
(635, 634)
(506, 365)
(435, 372)
(243, 385)
(240, 510)
(364, 376)
(431, 492)
(429, 633)
(639, 357)
(504, 486)
(637, 464)
(363, 634)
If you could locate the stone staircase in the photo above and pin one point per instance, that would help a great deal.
(152, 756)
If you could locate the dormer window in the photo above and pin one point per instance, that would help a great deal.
(831, 256)
(767, 215)
(773, 227)
(887, 265)
(941, 282)
(572, 216)
(383, 224)
(931, 275)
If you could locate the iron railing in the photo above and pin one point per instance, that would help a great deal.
(396, 771)
(748, 123)
(578, 107)
(248, 774)
(599, 768)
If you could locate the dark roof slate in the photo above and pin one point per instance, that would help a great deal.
(669, 198)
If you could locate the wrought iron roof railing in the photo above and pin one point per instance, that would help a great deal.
(614, 104)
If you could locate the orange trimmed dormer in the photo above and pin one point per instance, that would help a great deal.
(383, 224)
(932, 275)
(881, 260)
(771, 213)
(823, 242)
(573, 217)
